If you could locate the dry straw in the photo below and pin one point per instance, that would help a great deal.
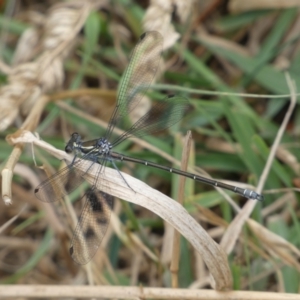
(29, 81)
(136, 293)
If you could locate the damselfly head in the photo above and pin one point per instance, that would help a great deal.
(73, 142)
(69, 148)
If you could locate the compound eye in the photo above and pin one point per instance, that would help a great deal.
(69, 149)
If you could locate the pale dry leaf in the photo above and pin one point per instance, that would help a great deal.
(238, 6)
(160, 204)
(183, 8)
(221, 43)
(158, 17)
(26, 47)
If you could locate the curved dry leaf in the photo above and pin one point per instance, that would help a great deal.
(168, 209)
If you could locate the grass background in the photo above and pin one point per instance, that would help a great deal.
(232, 139)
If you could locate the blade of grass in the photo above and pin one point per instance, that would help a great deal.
(269, 47)
(243, 130)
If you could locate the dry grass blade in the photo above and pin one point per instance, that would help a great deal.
(176, 237)
(13, 219)
(165, 207)
(276, 245)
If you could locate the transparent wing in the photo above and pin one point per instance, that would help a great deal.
(139, 74)
(162, 115)
(63, 182)
(92, 225)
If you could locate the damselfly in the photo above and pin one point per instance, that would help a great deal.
(95, 215)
